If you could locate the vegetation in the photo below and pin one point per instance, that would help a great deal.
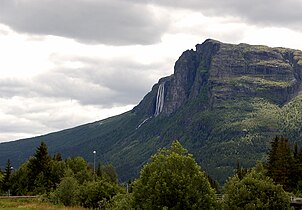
(170, 180)
(6, 181)
(285, 164)
(31, 204)
(70, 182)
(173, 180)
(254, 191)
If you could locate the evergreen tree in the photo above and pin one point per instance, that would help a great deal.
(57, 157)
(298, 170)
(1, 175)
(6, 181)
(281, 163)
(241, 172)
(296, 151)
(39, 170)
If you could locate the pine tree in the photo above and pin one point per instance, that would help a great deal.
(6, 182)
(39, 167)
(281, 162)
(298, 168)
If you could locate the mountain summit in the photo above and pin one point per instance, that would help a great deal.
(224, 103)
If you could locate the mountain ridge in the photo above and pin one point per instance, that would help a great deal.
(224, 102)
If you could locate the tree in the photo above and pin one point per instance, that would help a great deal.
(173, 180)
(57, 171)
(122, 202)
(80, 169)
(76, 164)
(107, 172)
(39, 170)
(281, 163)
(241, 172)
(255, 191)
(97, 194)
(6, 181)
(20, 183)
(1, 175)
(298, 175)
(67, 191)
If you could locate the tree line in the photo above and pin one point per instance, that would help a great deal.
(170, 180)
(284, 164)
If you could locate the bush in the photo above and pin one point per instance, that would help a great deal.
(97, 193)
(67, 191)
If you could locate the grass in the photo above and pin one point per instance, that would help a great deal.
(244, 80)
(31, 204)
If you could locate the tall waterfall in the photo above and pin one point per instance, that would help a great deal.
(160, 99)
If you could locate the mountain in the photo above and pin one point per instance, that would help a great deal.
(224, 103)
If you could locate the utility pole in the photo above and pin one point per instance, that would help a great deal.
(94, 153)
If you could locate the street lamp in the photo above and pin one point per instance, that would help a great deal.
(94, 152)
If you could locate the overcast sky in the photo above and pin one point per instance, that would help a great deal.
(66, 63)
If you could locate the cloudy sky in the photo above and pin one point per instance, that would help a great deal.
(66, 63)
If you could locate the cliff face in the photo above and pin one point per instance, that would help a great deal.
(224, 103)
(227, 72)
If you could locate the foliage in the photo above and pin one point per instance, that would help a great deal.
(67, 191)
(290, 119)
(20, 183)
(107, 172)
(96, 194)
(284, 164)
(122, 202)
(6, 182)
(58, 168)
(42, 174)
(76, 164)
(39, 170)
(80, 169)
(281, 162)
(173, 180)
(1, 175)
(69, 182)
(255, 191)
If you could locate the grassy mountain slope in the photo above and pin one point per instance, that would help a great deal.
(224, 103)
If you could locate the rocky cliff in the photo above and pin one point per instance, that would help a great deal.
(224, 103)
(227, 72)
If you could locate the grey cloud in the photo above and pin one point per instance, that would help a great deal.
(29, 116)
(281, 13)
(107, 83)
(11, 87)
(104, 83)
(113, 22)
(19, 126)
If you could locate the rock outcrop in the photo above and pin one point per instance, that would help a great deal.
(227, 71)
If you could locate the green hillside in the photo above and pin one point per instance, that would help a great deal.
(224, 103)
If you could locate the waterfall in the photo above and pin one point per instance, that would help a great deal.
(160, 99)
